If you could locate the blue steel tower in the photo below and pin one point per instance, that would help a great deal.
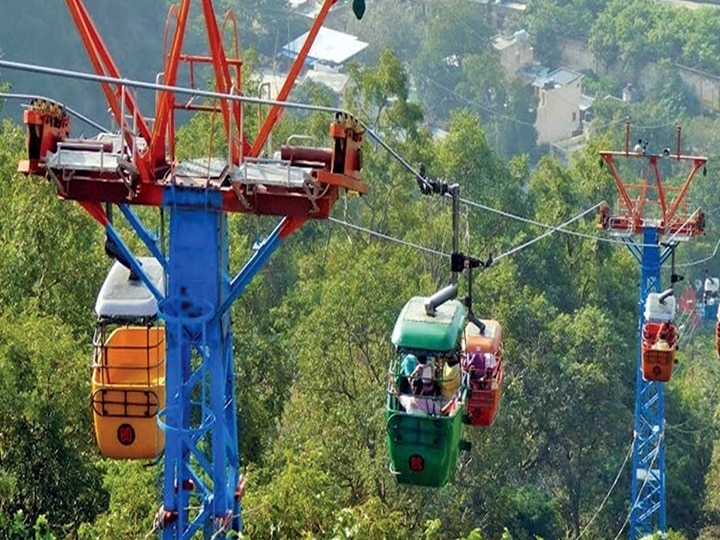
(658, 214)
(648, 464)
(196, 417)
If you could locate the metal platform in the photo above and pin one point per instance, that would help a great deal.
(102, 154)
(272, 173)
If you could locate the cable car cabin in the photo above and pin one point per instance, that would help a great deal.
(710, 298)
(128, 371)
(424, 406)
(659, 337)
(717, 334)
(482, 375)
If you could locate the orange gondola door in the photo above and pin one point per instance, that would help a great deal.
(659, 337)
(482, 371)
(128, 371)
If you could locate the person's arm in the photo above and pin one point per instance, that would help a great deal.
(417, 372)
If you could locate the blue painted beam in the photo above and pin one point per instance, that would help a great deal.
(143, 234)
(134, 264)
(648, 512)
(251, 268)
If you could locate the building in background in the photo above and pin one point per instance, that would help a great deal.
(559, 98)
(514, 52)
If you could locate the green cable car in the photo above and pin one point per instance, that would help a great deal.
(425, 405)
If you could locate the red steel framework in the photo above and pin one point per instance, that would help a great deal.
(674, 217)
(647, 208)
(137, 166)
(144, 176)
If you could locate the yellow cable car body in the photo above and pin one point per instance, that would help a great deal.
(128, 371)
(128, 391)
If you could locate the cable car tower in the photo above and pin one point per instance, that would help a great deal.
(202, 484)
(652, 211)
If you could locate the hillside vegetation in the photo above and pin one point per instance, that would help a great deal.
(312, 342)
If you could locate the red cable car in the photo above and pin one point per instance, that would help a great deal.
(717, 334)
(482, 370)
(659, 337)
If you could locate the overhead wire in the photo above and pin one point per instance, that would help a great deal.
(636, 127)
(551, 230)
(204, 93)
(388, 237)
(548, 232)
(588, 236)
(637, 499)
(546, 226)
(35, 68)
(700, 261)
(72, 112)
(607, 495)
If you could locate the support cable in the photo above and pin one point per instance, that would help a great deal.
(583, 235)
(546, 226)
(607, 495)
(72, 112)
(388, 237)
(548, 232)
(34, 68)
(700, 261)
(637, 499)
(551, 230)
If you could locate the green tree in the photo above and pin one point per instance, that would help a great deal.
(453, 34)
(52, 252)
(45, 442)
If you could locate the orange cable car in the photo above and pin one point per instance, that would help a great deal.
(717, 334)
(659, 337)
(483, 380)
(128, 371)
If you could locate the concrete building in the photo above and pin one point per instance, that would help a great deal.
(558, 114)
(499, 10)
(515, 52)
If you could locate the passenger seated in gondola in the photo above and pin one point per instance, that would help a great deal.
(425, 373)
(481, 369)
(665, 337)
(449, 405)
(417, 403)
(450, 381)
(409, 363)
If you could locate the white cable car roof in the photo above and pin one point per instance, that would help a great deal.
(121, 297)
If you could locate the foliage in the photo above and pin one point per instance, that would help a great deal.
(134, 492)
(312, 330)
(45, 442)
(43, 245)
(453, 35)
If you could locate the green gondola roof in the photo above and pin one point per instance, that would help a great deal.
(415, 329)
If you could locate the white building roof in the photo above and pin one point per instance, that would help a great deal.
(558, 78)
(330, 47)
